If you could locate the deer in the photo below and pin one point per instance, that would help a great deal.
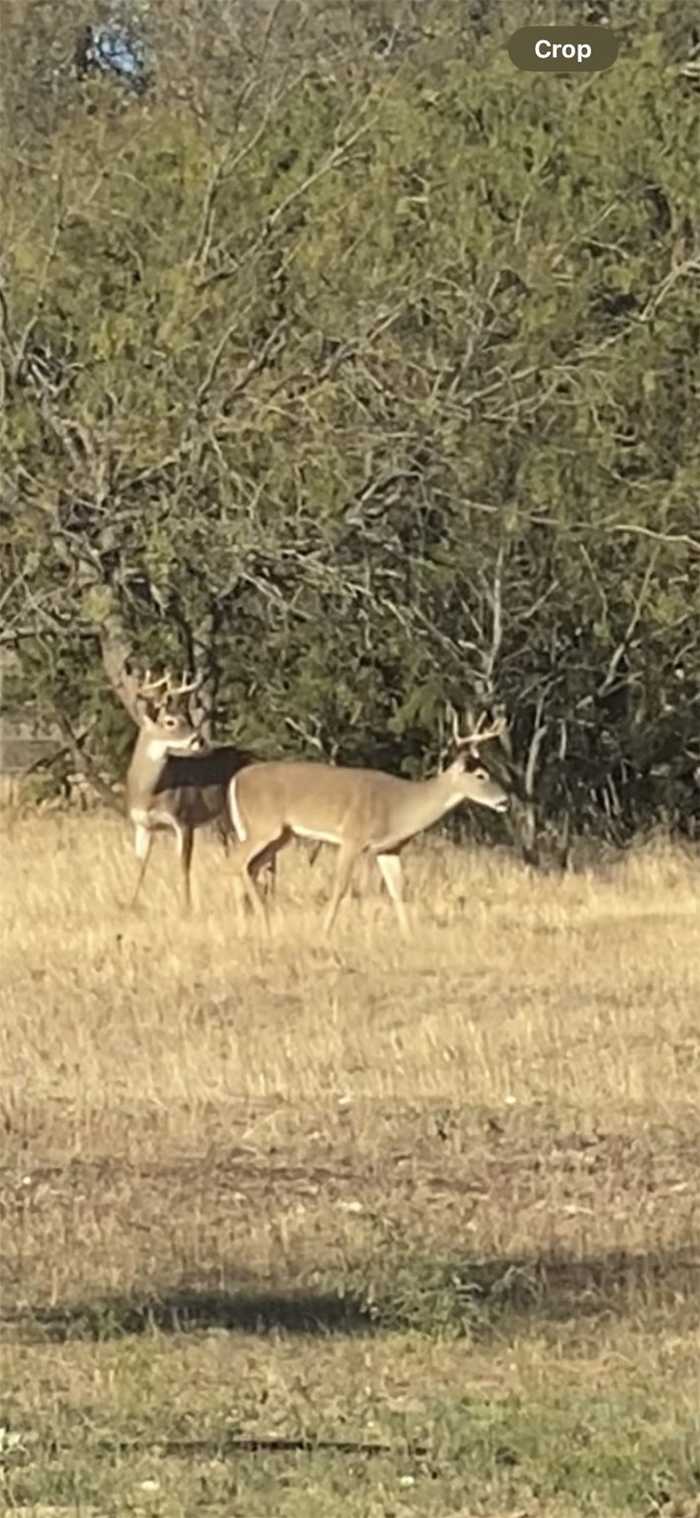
(175, 782)
(359, 811)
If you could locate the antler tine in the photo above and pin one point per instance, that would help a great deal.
(479, 736)
(148, 686)
(185, 688)
(454, 720)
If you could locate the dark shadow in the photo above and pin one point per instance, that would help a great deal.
(426, 1293)
(190, 1311)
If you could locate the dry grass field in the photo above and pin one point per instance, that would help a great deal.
(372, 1229)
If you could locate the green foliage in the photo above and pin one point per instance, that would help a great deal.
(372, 382)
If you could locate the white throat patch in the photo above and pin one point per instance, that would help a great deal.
(157, 749)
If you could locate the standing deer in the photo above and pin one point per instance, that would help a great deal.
(174, 782)
(360, 811)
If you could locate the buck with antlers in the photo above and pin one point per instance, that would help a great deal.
(361, 811)
(174, 782)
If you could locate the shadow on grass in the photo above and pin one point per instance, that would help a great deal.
(410, 1291)
(189, 1311)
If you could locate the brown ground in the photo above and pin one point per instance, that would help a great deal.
(440, 1199)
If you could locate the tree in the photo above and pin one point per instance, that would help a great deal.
(362, 379)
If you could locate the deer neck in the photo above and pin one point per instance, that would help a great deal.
(147, 763)
(426, 801)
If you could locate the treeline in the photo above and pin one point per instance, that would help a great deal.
(359, 371)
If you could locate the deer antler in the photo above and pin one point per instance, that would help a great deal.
(164, 693)
(480, 734)
(185, 688)
(149, 686)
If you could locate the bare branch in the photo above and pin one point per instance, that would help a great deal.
(332, 161)
(76, 746)
(115, 650)
(659, 537)
(622, 647)
(312, 739)
(538, 735)
(251, 369)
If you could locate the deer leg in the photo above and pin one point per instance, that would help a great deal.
(266, 863)
(251, 856)
(143, 839)
(260, 866)
(185, 842)
(347, 856)
(362, 885)
(392, 875)
(245, 856)
(267, 884)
